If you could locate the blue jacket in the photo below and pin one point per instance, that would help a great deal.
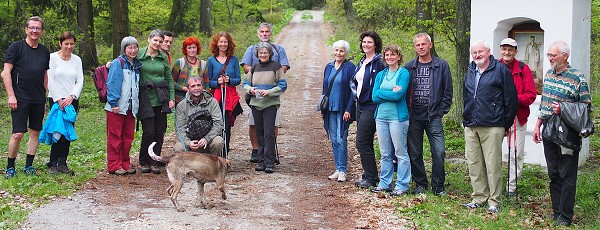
(122, 85)
(345, 96)
(364, 100)
(494, 102)
(440, 88)
(59, 121)
(381, 96)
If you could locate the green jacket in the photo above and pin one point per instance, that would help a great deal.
(156, 69)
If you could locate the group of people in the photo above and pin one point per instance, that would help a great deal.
(400, 104)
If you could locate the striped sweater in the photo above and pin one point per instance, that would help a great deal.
(567, 86)
(265, 76)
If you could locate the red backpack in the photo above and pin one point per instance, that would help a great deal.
(100, 76)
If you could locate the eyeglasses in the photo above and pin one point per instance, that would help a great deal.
(478, 52)
(34, 28)
(549, 55)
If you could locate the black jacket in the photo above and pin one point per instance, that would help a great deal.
(494, 102)
(440, 88)
(162, 92)
(364, 100)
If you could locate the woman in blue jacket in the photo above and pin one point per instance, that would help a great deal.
(337, 118)
(391, 119)
(362, 84)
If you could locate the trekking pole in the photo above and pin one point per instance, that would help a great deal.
(516, 161)
(508, 141)
(224, 114)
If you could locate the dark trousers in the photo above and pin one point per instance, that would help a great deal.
(227, 126)
(153, 130)
(435, 133)
(59, 151)
(562, 170)
(264, 121)
(365, 132)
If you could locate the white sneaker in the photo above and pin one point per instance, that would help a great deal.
(341, 177)
(334, 175)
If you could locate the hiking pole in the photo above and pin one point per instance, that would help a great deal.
(224, 114)
(516, 161)
(508, 141)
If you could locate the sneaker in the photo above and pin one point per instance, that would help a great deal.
(341, 177)
(29, 170)
(10, 172)
(493, 209)
(334, 176)
(145, 169)
(64, 169)
(472, 205)
(397, 192)
(155, 169)
(380, 189)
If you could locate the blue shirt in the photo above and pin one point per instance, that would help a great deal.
(279, 55)
(336, 89)
(214, 69)
(388, 110)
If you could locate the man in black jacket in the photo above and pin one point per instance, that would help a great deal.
(490, 101)
(430, 97)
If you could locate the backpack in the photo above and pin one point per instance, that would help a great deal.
(100, 76)
(198, 125)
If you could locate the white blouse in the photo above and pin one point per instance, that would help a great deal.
(65, 78)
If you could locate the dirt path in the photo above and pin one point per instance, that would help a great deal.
(296, 196)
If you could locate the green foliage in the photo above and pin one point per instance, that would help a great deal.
(304, 4)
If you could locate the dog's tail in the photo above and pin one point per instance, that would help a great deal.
(154, 156)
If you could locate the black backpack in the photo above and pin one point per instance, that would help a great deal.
(199, 124)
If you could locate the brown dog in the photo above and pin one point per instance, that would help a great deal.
(204, 167)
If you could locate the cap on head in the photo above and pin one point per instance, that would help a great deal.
(508, 42)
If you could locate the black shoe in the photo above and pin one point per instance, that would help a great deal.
(397, 192)
(53, 170)
(155, 169)
(65, 170)
(562, 221)
(364, 184)
(419, 190)
(380, 189)
(269, 170)
(145, 169)
(260, 168)
(254, 156)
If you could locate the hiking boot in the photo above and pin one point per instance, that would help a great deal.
(131, 170)
(29, 171)
(53, 170)
(364, 184)
(145, 169)
(254, 156)
(398, 192)
(269, 170)
(155, 169)
(472, 205)
(260, 168)
(380, 189)
(9, 173)
(118, 172)
(65, 170)
(341, 177)
(419, 190)
(334, 176)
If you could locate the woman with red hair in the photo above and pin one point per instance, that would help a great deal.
(224, 75)
(187, 66)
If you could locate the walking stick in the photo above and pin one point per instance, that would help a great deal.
(224, 114)
(508, 141)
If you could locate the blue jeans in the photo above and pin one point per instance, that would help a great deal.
(392, 136)
(435, 132)
(339, 140)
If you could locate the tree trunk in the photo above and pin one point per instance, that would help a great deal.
(229, 11)
(425, 20)
(463, 26)
(349, 9)
(87, 45)
(120, 24)
(175, 11)
(205, 17)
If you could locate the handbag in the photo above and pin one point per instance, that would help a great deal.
(323, 105)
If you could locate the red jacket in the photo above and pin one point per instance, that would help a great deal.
(526, 92)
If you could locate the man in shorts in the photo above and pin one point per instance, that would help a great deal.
(26, 79)
(279, 55)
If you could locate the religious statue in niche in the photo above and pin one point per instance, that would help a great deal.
(531, 54)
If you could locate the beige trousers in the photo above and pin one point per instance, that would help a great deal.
(521, 131)
(215, 147)
(483, 149)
